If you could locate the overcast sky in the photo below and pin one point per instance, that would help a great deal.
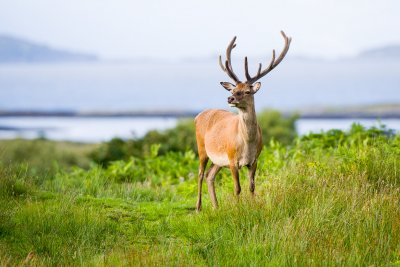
(179, 28)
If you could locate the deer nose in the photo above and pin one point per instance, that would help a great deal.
(231, 99)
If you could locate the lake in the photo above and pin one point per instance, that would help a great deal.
(93, 130)
(108, 86)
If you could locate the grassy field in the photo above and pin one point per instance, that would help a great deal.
(326, 199)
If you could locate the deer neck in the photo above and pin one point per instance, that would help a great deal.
(248, 125)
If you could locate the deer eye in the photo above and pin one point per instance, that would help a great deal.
(247, 92)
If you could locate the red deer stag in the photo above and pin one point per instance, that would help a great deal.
(228, 139)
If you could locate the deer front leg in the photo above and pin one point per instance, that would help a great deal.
(235, 176)
(214, 169)
(252, 172)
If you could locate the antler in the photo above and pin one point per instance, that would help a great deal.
(272, 64)
(228, 65)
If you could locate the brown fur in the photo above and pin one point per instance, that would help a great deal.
(229, 140)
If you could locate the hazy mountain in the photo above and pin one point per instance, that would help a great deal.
(386, 52)
(14, 49)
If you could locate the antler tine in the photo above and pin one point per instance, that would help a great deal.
(285, 50)
(230, 72)
(259, 68)
(229, 50)
(220, 63)
(228, 65)
(246, 69)
(273, 62)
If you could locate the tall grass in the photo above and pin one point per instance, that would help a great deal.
(328, 199)
(44, 157)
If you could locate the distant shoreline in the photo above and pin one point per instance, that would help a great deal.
(128, 114)
(191, 114)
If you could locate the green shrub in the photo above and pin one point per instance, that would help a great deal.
(183, 138)
(277, 127)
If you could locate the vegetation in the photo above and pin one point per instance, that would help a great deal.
(178, 139)
(45, 157)
(277, 127)
(183, 138)
(327, 199)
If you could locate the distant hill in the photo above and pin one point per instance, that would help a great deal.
(386, 52)
(14, 50)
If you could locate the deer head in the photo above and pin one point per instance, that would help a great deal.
(243, 92)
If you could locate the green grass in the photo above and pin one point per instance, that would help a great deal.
(328, 199)
(45, 157)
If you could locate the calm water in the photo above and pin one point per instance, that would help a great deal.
(80, 129)
(103, 129)
(193, 85)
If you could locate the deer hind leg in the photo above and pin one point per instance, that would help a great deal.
(252, 172)
(212, 172)
(235, 176)
(202, 167)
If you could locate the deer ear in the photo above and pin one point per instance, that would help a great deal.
(256, 87)
(227, 86)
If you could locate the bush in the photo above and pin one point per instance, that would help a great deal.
(183, 138)
(277, 127)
